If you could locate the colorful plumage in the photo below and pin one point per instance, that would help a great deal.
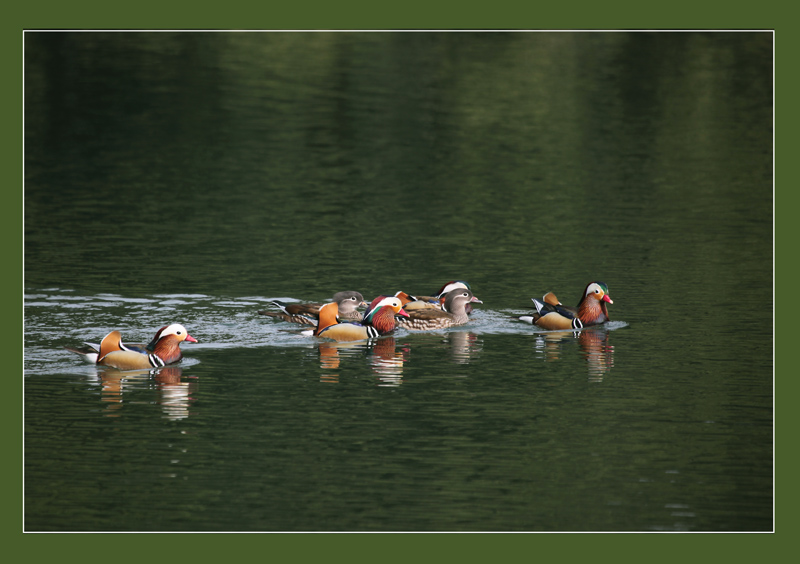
(552, 314)
(413, 302)
(162, 350)
(437, 300)
(308, 314)
(379, 319)
(453, 312)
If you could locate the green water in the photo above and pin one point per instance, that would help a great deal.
(194, 177)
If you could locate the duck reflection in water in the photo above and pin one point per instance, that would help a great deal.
(464, 346)
(383, 356)
(387, 362)
(174, 393)
(387, 359)
(594, 343)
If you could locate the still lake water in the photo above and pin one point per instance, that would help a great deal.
(194, 177)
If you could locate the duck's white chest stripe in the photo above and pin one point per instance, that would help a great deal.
(155, 361)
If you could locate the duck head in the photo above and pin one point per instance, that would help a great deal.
(458, 298)
(394, 303)
(177, 330)
(597, 291)
(349, 300)
(450, 286)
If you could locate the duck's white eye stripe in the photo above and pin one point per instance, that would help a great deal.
(174, 329)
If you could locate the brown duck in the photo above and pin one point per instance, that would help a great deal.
(308, 314)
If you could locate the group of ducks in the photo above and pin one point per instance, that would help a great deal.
(340, 320)
(449, 307)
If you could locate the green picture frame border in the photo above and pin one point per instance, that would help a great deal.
(316, 15)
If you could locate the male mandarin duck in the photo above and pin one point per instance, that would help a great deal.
(308, 314)
(378, 320)
(552, 314)
(436, 301)
(412, 302)
(453, 312)
(162, 350)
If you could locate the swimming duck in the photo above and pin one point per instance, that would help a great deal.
(412, 302)
(437, 300)
(162, 350)
(552, 314)
(453, 312)
(378, 320)
(308, 314)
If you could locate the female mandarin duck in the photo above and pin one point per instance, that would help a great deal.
(552, 314)
(162, 350)
(308, 314)
(453, 312)
(378, 320)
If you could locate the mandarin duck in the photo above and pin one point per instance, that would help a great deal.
(412, 302)
(378, 320)
(453, 312)
(436, 301)
(308, 314)
(552, 314)
(162, 350)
